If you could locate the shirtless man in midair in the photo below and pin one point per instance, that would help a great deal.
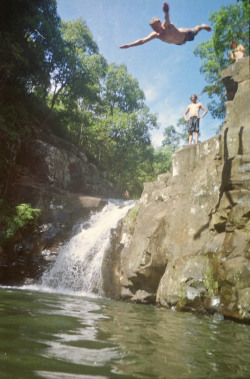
(194, 118)
(167, 32)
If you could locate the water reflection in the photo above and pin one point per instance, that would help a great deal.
(156, 341)
(57, 336)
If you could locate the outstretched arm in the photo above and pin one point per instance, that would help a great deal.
(140, 41)
(204, 109)
(166, 11)
(186, 112)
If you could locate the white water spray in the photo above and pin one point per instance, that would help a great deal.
(78, 265)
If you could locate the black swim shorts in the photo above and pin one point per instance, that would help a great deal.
(189, 36)
(193, 126)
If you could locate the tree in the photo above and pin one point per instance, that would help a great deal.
(246, 5)
(162, 160)
(77, 68)
(175, 135)
(123, 147)
(121, 90)
(229, 23)
(55, 66)
(27, 36)
(26, 39)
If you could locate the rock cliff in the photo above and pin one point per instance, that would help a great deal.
(185, 245)
(52, 176)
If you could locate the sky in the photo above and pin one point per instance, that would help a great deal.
(167, 74)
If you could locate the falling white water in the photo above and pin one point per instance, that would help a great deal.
(78, 265)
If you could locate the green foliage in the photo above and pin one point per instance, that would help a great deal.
(162, 162)
(77, 66)
(27, 37)
(26, 41)
(24, 217)
(229, 23)
(174, 136)
(124, 148)
(76, 83)
(121, 90)
(246, 6)
(53, 77)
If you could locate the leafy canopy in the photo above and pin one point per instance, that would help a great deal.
(229, 23)
(54, 80)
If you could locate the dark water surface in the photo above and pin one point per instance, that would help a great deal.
(44, 335)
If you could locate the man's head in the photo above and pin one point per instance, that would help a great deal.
(193, 98)
(155, 23)
(233, 45)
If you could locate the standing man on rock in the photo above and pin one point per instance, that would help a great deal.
(193, 110)
(238, 52)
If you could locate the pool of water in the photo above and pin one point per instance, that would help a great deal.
(46, 335)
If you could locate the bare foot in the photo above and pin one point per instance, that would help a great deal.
(206, 27)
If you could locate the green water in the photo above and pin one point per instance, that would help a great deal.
(60, 336)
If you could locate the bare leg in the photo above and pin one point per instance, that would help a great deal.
(190, 138)
(196, 137)
(198, 28)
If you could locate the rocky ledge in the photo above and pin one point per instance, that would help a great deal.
(185, 245)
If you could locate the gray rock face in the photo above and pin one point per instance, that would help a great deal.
(59, 181)
(186, 244)
(51, 167)
(53, 177)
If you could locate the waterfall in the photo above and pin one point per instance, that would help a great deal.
(78, 264)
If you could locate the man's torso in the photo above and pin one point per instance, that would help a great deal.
(238, 53)
(194, 109)
(172, 35)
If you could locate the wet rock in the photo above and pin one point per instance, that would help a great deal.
(51, 175)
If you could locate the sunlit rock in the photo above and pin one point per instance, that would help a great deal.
(189, 245)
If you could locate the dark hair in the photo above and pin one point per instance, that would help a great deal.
(196, 97)
(232, 43)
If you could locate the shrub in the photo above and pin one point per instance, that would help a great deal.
(24, 218)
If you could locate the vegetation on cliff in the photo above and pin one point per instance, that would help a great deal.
(16, 221)
(53, 79)
(229, 23)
